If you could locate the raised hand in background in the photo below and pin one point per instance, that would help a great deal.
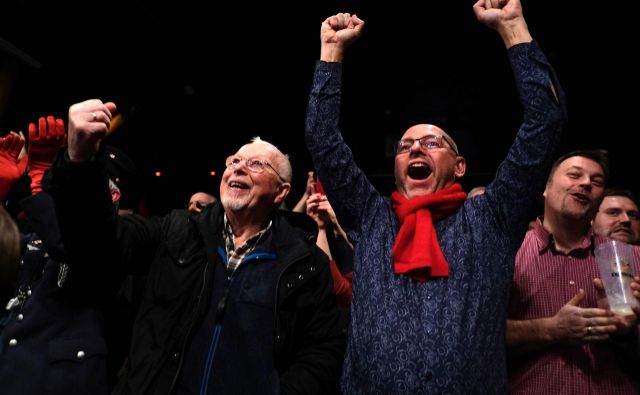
(12, 163)
(44, 142)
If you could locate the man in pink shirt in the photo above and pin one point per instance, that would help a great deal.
(561, 336)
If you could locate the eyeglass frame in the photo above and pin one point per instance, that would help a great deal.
(260, 165)
(451, 145)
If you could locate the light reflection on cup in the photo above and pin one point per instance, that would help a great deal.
(616, 265)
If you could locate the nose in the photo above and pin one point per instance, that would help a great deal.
(416, 147)
(585, 182)
(624, 217)
(240, 167)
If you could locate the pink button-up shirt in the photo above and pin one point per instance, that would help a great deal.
(545, 280)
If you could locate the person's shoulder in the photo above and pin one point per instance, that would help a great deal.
(296, 224)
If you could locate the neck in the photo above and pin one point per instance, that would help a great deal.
(567, 233)
(245, 224)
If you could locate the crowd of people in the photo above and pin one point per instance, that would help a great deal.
(430, 290)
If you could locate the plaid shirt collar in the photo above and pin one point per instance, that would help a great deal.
(236, 256)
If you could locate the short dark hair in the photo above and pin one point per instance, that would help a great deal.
(613, 191)
(599, 156)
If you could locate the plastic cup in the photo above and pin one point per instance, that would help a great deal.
(616, 264)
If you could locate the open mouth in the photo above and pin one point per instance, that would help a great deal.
(238, 185)
(583, 199)
(418, 171)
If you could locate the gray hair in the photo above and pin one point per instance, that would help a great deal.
(283, 165)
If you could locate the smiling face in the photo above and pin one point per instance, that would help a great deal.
(242, 190)
(618, 218)
(422, 171)
(575, 189)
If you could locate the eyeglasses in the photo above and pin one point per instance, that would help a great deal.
(254, 165)
(428, 142)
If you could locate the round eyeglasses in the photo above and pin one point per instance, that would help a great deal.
(254, 165)
(428, 142)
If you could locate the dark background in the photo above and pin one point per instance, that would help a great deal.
(196, 81)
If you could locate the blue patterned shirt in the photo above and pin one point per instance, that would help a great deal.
(447, 335)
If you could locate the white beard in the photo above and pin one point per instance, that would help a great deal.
(235, 204)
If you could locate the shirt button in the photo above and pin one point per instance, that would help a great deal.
(176, 354)
(429, 297)
(20, 317)
(80, 354)
(13, 342)
(572, 282)
(29, 293)
(301, 277)
(289, 285)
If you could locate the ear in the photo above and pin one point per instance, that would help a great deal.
(546, 188)
(283, 191)
(460, 167)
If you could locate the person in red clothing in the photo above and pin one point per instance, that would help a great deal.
(319, 208)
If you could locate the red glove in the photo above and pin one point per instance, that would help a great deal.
(11, 167)
(44, 144)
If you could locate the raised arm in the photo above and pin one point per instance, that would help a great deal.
(45, 140)
(310, 189)
(505, 17)
(88, 124)
(521, 177)
(11, 165)
(346, 185)
(336, 34)
(88, 221)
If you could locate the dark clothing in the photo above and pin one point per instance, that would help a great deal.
(184, 276)
(446, 335)
(53, 342)
(242, 326)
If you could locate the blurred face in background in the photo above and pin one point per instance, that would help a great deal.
(200, 200)
(618, 218)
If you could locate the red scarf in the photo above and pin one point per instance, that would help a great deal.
(416, 251)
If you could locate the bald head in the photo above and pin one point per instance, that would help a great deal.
(200, 200)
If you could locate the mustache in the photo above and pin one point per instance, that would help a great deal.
(620, 228)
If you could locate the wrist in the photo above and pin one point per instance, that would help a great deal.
(36, 176)
(331, 53)
(515, 33)
(547, 331)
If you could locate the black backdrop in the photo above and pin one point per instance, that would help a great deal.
(195, 84)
